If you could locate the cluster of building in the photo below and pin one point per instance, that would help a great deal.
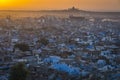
(71, 48)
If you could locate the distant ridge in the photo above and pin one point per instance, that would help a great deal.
(73, 9)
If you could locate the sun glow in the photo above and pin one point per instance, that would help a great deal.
(13, 4)
(5, 2)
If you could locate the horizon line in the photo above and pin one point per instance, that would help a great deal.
(57, 10)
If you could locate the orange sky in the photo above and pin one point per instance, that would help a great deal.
(93, 5)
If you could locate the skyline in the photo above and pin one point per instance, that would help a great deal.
(89, 5)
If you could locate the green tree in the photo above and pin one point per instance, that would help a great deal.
(22, 46)
(43, 41)
(18, 72)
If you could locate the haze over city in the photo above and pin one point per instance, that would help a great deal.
(59, 39)
(91, 5)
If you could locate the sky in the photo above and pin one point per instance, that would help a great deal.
(91, 5)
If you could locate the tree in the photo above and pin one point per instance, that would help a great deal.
(43, 41)
(18, 72)
(22, 46)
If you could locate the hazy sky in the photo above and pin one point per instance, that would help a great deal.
(93, 5)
